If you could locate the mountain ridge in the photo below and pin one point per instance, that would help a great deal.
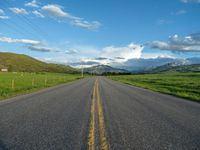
(141, 65)
(102, 69)
(178, 68)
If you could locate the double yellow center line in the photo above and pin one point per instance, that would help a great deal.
(97, 132)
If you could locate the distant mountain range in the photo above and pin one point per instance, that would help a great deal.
(172, 68)
(24, 63)
(142, 65)
(149, 66)
(100, 69)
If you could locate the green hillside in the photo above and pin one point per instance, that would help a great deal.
(24, 63)
(181, 68)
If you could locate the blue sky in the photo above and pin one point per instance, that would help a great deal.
(68, 31)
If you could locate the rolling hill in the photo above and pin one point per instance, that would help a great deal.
(23, 63)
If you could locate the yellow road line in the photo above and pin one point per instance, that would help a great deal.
(91, 136)
(96, 101)
(102, 131)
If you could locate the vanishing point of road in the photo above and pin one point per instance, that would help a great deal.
(96, 114)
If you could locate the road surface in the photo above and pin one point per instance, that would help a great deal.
(97, 113)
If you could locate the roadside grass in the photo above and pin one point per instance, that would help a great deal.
(12, 84)
(185, 85)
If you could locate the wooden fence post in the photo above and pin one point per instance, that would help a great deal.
(13, 83)
(45, 82)
(33, 82)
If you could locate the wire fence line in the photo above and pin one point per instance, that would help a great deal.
(13, 83)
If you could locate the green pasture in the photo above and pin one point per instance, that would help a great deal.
(15, 83)
(185, 85)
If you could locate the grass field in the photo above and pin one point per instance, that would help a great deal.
(12, 84)
(186, 85)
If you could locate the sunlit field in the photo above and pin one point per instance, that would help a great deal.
(186, 85)
(12, 84)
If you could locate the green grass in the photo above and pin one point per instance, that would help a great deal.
(28, 82)
(185, 85)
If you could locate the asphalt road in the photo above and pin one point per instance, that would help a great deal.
(97, 113)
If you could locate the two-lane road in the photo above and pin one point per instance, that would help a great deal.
(97, 113)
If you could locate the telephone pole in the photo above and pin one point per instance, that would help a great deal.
(82, 71)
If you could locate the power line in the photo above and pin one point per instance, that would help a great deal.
(16, 30)
(14, 26)
(36, 29)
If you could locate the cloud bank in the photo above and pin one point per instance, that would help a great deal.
(32, 45)
(41, 48)
(128, 52)
(24, 41)
(112, 54)
(189, 43)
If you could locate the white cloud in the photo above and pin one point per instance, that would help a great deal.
(85, 64)
(2, 14)
(58, 12)
(175, 43)
(4, 17)
(33, 3)
(55, 10)
(156, 55)
(190, 1)
(180, 12)
(85, 24)
(38, 14)
(93, 61)
(110, 55)
(127, 52)
(71, 52)
(30, 44)
(19, 11)
(163, 22)
(33, 45)
(41, 48)
(24, 41)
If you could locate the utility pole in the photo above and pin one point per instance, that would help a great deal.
(45, 81)
(32, 81)
(82, 71)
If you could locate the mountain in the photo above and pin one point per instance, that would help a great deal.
(23, 63)
(142, 65)
(184, 62)
(102, 69)
(172, 68)
(194, 60)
